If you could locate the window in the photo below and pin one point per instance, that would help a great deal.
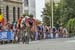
(26, 2)
(7, 13)
(18, 12)
(14, 13)
(0, 10)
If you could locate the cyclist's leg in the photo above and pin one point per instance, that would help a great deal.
(27, 37)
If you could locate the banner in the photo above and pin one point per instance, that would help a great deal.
(6, 35)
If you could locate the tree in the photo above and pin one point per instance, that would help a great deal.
(71, 26)
(46, 21)
(46, 14)
(47, 10)
(57, 12)
(62, 13)
(69, 10)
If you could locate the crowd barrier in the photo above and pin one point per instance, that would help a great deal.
(6, 35)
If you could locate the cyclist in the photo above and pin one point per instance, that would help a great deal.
(31, 25)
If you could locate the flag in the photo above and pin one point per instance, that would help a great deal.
(1, 17)
(2, 20)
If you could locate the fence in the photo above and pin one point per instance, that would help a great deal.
(6, 35)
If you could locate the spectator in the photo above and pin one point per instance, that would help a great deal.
(54, 32)
(0, 26)
(51, 32)
(61, 32)
(65, 33)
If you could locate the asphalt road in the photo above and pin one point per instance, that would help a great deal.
(49, 44)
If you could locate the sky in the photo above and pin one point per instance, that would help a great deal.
(39, 8)
(40, 4)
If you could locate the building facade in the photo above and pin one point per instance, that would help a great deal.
(11, 9)
(34, 7)
(29, 6)
(25, 6)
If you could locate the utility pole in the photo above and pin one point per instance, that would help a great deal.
(52, 11)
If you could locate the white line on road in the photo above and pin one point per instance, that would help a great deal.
(70, 41)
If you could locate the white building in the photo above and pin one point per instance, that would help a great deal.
(34, 7)
(25, 6)
(40, 4)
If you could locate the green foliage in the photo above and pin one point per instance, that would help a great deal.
(69, 16)
(63, 13)
(46, 12)
(25, 14)
(71, 26)
(69, 10)
(46, 20)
